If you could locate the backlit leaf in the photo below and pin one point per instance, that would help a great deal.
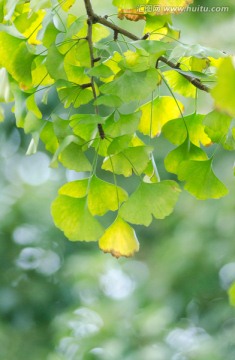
(156, 199)
(132, 86)
(129, 161)
(200, 179)
(101, 195)
(224, 92)
(157, 113)
(119, 239)
(176, 130)
(72, 216)
(186, 151)
(104, 197)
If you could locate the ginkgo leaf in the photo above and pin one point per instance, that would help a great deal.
(85, 125)
(67, 4)
(76, 189)
(108, 100)
(160, 26)
(55, 63)
(186, 151)
(196, 50)
(150, 199)
(119, 144)
(48, 137)
(100, 70)
(13, 50)
(73, 158)
(101, 195)
(177, 130)
(131, 85)
(29, 24)
(125, 125)
(72, 216)
(119, 239)
(157, 113)
(131, 14)
(133, 159)
(62, 146)
(217, 126)
(75, 95)
(179, 84)
(224, 92)
(104, 197)
(200, 179)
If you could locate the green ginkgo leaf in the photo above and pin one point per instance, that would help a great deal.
(55, 63)
(133, 159)
(126, 124)
(75, 95)
(72, 216)
(13, 50)
(150, 199)
(224, 92)
(157, 113)
(109, 100)
(73, 158)
(119, 239)
(131, 86)
(101, 195)
(76, 189)
(104, 197)
(177, 130)
(85, 125)
(217, 126)
(200, 179)
(186, 151)
(119, 144)
(179, 84)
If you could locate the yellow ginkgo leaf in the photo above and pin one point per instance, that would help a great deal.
(131, 14)
(119, 239)
(67, 4)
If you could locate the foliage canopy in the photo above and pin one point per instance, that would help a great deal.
(110, 84)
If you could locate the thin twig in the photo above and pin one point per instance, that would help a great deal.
(194, 81)
(90, 22)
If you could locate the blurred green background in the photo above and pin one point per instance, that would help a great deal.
(68, 301)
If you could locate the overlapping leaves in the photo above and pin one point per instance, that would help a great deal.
(110, 109)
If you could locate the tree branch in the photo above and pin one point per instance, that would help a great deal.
(89, 9)
(90, 21)
(194, 81)
(118, 30)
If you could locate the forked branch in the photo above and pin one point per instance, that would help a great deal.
(118, 30)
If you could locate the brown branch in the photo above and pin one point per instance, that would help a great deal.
(89, 10)
(194, 81)
(90, 22)
(85, 86)
(118, 30)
